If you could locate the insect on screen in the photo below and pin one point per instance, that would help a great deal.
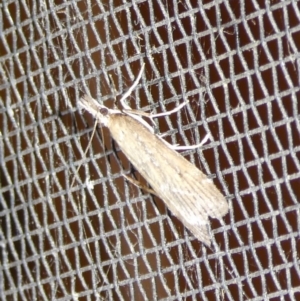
(72, 225)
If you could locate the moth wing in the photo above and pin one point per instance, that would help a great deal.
(188, 193)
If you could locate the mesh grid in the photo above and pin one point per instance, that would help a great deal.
(237, 62)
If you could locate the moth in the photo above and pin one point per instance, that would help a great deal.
(189, 194)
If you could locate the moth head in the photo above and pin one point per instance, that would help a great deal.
(99, 112)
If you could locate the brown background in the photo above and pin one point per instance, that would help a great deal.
(238, 64)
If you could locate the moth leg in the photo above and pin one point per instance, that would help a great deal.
(189, 147)
(151, 116)
(140, 185)
(147, 189)
(136, 113)
(124, 105)
(132, 112)
(177, 147)
(178, 108)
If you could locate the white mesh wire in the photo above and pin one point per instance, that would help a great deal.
(104, 239)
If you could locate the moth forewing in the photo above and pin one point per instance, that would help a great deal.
(188, 193)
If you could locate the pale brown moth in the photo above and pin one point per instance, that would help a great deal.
(187, 192)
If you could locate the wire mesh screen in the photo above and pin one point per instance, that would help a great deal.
(72, 226)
